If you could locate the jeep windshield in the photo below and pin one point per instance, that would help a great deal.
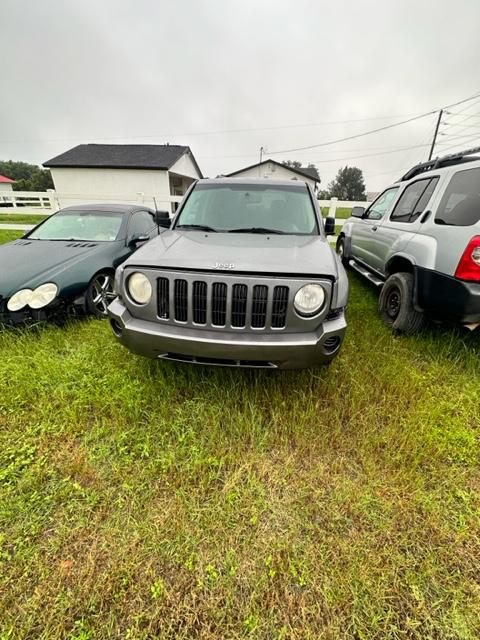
(253, 208)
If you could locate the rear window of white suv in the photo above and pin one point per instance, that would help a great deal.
(460, 204)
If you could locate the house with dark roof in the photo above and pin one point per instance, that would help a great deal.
(149, 173)
(276, 170)
(6, 184)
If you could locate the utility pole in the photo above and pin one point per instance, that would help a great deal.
(261, 154)
(440, 114)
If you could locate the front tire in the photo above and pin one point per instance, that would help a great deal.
(341, 251)
(99, 294)
(396, 304)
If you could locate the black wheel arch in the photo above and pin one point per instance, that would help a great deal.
(346, 240)
(400, 264)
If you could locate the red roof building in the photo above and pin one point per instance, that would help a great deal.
(4, 179)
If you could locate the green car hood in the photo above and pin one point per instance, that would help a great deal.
(28, 263)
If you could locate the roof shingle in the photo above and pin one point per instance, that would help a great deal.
(120, 156)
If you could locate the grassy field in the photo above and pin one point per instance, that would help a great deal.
(143, 500)
(7, 235)
(21, 218)
(342, 213)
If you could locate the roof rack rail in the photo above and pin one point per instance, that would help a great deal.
(437, 163)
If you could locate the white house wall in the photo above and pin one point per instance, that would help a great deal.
(272, 171)
(83, 186)
(5, 186)
(184, 166)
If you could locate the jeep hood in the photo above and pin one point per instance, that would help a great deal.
(253, 253)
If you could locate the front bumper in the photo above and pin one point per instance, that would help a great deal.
(446, 297)
(26, 316)
(200, 346)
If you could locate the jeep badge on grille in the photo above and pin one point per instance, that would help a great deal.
(224, 265)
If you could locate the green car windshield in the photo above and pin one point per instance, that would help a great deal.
(99, 226)
(254, 208)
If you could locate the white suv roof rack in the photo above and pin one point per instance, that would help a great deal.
(446, 161)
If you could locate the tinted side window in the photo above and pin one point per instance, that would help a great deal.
(382, 204)
(141, 224)
(413, 200)
(460, 204)
(424, 200)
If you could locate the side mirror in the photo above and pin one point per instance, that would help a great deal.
(329, 226)
(358, 212)
(137, 239)
(162, 218)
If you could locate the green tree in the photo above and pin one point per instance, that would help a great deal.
(348, 184)
(296, 164)
(28, 177)
(323, 194)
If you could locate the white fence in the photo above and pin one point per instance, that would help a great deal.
(334, 203)
(50, 201)
(43, 200)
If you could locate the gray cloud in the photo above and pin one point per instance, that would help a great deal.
(144, 70)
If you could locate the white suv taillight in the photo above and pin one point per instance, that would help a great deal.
(469, 266)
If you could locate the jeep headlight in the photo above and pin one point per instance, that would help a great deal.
(139, 288)
(309, 299)
(43, 295)
(19, 300)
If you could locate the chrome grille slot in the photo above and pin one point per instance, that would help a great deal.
(259, 306)
(163, 298)
(181, 300)
(219, 303)
(279, 307)
(199, 302)
(239, 305)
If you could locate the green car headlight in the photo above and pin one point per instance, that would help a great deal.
(139, 288)
(43, 295)
(19, 300)
(309, 299)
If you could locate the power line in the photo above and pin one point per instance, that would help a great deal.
(463, 126)
(358, 135)
(371, 155)
(473, 115)
(455, 137)
(456, 144)
(208, 133)
(366, 133)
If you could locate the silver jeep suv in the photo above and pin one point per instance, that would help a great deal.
(244, 276)
(420, 242)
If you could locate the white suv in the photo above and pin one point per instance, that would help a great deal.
(420, 241)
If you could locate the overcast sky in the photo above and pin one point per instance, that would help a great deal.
(227, 77)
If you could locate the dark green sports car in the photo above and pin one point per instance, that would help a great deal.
(67, 263)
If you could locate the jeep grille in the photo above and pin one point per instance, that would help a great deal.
(219, 303)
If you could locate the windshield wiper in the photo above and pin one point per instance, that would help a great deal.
(256, 230)
(197, 227)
